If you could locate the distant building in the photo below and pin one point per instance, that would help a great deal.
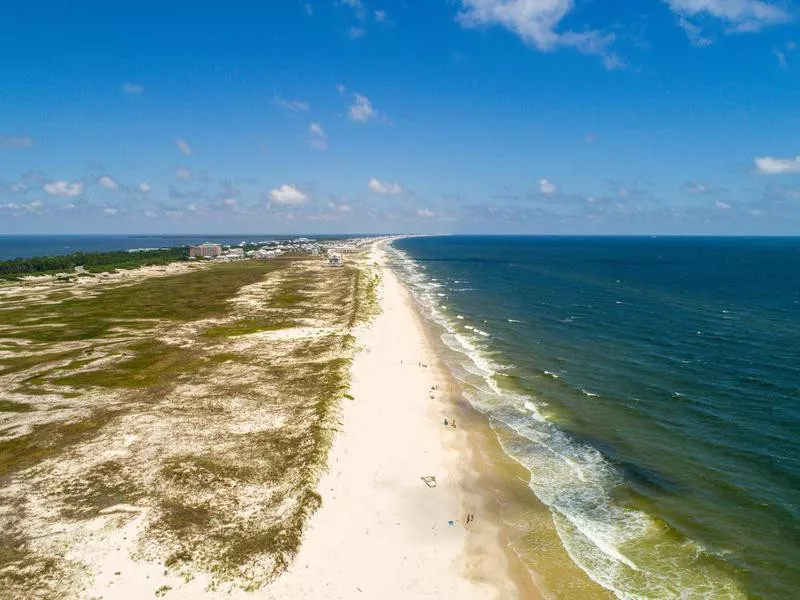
(334, 260)
(206, 250)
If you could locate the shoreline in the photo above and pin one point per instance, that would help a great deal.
(521, 525)
(391, 435)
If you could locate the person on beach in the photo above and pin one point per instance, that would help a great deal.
(454, 423)
(445, 422)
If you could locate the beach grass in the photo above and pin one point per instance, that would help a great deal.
(219, 384)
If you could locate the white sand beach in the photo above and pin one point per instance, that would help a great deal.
(381, 531)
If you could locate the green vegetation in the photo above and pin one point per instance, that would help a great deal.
(9, 406)
(95, 262)
(45, 441)
(102, 486)
(246, 327)
(186, 297)
(229, 435)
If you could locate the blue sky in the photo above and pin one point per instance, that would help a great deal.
(501, 116)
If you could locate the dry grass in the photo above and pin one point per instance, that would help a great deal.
(206, 400)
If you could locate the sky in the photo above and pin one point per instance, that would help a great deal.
(366, 116)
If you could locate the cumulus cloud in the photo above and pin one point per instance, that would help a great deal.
(183, 146)
(63, 188)
(384, 188)
(132, 88)
(722, 205)
(425, 213)
(15, 141)
(291, 105)
(108, 183)
(361, 109)
(287, 194)
(536, 22)
(143, 187)
(769, 165)
(738, 15)
(547, 188)
(317, 136)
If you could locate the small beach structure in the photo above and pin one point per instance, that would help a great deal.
(334, 260)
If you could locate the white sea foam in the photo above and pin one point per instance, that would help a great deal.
(574, 480)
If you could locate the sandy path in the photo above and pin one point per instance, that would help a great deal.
(381, 532)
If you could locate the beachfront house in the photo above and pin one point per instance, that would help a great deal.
(205, 250)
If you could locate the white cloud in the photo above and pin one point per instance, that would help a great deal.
(132, 88)
(380, 16)
(110, 210)
(385, 189)
(287, 194)
(357, 6)
(425, 213)
(547, 188)
(15, 141)
(782, 54)
(536, 22)
(63, 188)
(144, 187)
(184, 147)
(769, 165)
(183, 173)
(694, 33)
(361, 109)
(318, 137)
(342, 208)
(292, 105)
(722, 205)
(108, 183)
(738, 15)
(341, 89)
(355, 33)
(697, 188)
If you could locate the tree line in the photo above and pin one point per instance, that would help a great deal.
(95, 262)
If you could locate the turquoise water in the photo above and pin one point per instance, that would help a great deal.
(653, 385)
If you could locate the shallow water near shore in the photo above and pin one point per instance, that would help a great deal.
(650, 388)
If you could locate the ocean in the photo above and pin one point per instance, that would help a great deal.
(651, 387)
